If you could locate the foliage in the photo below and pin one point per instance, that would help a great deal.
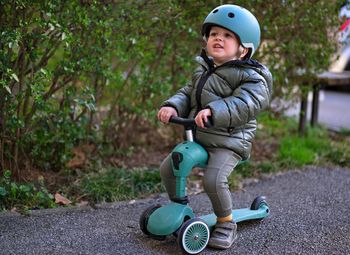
(289, 150)
(75, 72)
(298, 151)
(23, 196)
(299, 41)
(49, 79)
(340, 152)
(112, 184)
(294, 150)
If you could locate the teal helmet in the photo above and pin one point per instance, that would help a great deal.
(237, 20)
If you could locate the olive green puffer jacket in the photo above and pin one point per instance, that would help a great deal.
(235, 92)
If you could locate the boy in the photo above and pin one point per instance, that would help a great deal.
(231, 89)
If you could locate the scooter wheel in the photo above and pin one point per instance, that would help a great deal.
(193, 236)
(258, 202)
(145, 217)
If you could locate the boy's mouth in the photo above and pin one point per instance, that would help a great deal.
(217, 46)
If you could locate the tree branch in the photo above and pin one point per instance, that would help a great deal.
(49, 52)
(54, 88)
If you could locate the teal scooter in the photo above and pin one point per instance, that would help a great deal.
(177, 218)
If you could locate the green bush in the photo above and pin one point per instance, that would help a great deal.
(78, 72)
(95, 72)
(23, 196)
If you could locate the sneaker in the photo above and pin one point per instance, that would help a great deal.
(223, 235)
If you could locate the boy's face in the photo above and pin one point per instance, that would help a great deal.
(222, 45)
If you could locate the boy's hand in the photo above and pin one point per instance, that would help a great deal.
(165, 113)
(202, 117)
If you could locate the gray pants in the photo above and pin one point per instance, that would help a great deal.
(220, 165)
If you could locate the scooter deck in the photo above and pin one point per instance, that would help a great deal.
(239, 215)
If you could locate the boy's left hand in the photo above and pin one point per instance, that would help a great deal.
(202, 117)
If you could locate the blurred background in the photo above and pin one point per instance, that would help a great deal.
(81, 82)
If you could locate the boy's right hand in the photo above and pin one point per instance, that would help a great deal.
(165, 113)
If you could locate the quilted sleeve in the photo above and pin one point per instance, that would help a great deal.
(250, 98)
(181, 100)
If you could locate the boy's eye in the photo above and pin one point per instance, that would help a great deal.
(214, 34)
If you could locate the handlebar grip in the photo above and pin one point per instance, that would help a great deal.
(209, 123)
(189, 123)
(182, 121)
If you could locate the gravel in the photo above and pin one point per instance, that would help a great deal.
(309, 215)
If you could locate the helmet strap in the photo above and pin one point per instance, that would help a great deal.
(205, 38)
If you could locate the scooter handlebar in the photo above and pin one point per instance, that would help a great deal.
(188, 123)
(182, 121)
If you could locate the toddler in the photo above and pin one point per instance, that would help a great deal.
(230, 88)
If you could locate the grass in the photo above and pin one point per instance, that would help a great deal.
(115, 184)
(317, 147)
(282, 148)
(298, 151)
(344, 132)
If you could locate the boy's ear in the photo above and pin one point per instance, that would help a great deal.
(244, 52)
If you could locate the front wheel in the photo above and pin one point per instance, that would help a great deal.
(193, 236)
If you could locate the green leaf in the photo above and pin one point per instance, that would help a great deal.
(24, 188)
(7, 174)
(43, 71)
(8, 89)
(3, 192)
(14, 76)
(14, 189)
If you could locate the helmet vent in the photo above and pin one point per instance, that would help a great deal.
(231, 15)
(215, 11)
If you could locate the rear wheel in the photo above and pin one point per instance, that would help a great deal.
(193, 236)
(258, 202)
(143, 222)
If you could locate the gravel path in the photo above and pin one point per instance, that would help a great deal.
(309, 215)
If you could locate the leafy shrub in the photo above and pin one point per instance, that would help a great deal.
(70, 69)
(23, 196)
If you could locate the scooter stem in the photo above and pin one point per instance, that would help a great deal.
(189, 135)
(186, 155)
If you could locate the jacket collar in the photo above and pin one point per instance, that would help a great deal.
(208, 62)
